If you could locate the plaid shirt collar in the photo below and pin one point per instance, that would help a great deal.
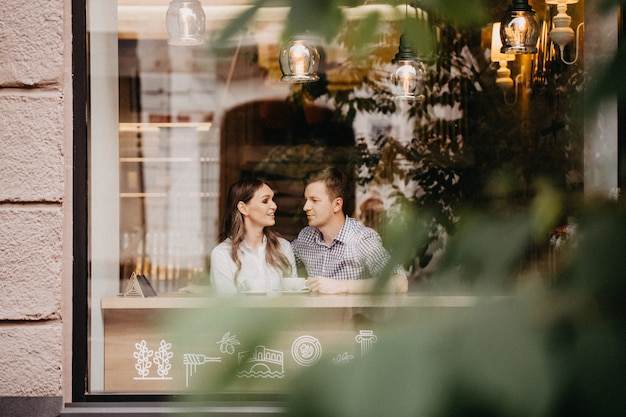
(342, 237)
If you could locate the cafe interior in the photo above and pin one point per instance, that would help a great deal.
(420, 108)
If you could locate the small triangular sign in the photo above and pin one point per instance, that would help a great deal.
(133, 289)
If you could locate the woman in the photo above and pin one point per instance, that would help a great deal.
(250, 257)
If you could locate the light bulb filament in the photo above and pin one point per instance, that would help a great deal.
(299, 56)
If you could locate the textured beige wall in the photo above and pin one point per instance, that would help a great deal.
(32, 43)
(34, 132)
(31, 360)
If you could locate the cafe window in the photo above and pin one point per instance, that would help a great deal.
(171, 126)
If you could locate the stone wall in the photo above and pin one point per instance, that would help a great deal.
(35, 158)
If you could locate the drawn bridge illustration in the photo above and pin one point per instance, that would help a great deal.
(262, 363)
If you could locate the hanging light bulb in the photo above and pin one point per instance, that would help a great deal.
(409, 74)
(299, 61)
(185, 22)
(519, 29)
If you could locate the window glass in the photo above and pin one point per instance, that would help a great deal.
(172, 126)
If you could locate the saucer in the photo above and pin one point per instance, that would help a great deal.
(254, 292)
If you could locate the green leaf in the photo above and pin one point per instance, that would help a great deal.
(322, 18)
(240, 22)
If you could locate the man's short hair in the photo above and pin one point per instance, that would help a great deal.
(335, 180)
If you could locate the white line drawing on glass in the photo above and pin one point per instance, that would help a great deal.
(342, 359)
(306, 350)
(191, 362)
(366, 338)
(143, 355)
(146, 357)
(262, 363)
(162, 358)
(228, 343)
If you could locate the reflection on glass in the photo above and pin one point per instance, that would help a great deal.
(185, 22)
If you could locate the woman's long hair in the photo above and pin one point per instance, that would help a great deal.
(233, 226)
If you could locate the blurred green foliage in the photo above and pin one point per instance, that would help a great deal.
(541, 350)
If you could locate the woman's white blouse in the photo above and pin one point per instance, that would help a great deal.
(253, 267)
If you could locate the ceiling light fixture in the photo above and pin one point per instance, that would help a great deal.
(186, 22)
(562, 34)
(299, 60)
(503, 74)
(408, 75)
(503, 80)
(519, 30)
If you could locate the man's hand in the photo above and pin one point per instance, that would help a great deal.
(397, 284)
(323, 285)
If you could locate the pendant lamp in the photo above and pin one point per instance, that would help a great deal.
(408, 75)
(299, 61)
(519, 29)
(185, 21)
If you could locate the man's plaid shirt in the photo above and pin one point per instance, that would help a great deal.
(356, 253)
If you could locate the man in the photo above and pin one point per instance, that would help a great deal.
(340, 254)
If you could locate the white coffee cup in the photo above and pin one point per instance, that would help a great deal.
(294, 284)
(256, 285)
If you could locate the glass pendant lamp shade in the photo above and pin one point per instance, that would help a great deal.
(519, 29)
(185, 21)
(299, 61)
(408, 75)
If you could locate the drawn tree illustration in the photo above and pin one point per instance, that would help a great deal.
(162, 358)
(143, 355)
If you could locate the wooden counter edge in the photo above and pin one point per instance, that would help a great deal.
(174, 301)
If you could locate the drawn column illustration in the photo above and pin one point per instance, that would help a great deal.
(366, 338)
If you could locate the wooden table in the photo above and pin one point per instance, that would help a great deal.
(179, 343)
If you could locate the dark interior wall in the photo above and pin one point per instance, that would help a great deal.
(280, 141)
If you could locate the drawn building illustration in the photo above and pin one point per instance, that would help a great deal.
(262, 363)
